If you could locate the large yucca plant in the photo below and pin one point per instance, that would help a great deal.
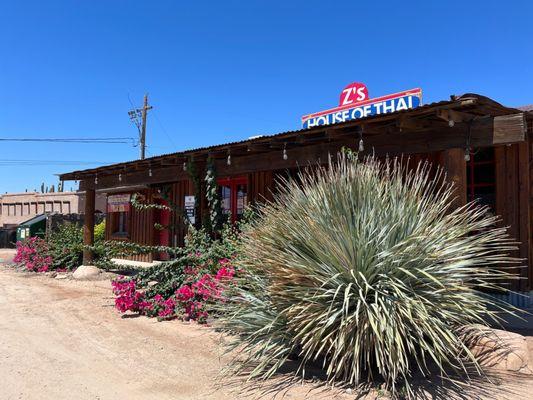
(364, 267)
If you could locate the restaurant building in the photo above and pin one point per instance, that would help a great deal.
(484, 147)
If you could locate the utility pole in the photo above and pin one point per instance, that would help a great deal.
(141, 126)
(145, 109)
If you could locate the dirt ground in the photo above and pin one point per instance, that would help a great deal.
(62, 339)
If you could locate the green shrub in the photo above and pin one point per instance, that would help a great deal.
(363, 267)
(66, 246)
(201, 252)
(99, 232)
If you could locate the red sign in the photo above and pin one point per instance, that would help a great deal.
(353, 94)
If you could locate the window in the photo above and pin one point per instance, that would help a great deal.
(481, 177)
(119, 223)
(234, 196)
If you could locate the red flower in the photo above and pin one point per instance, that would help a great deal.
(184, 293)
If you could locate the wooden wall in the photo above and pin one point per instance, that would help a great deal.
(514, 198)
(513, 201)
(260, 186)
(141, 228)
(178, 192)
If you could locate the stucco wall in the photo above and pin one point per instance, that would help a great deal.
(19, 207)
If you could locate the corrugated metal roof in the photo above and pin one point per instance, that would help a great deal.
(488, 104)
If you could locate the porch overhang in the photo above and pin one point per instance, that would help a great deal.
(467, 121)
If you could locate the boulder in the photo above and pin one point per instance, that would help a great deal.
(85, 272)
(498, 349)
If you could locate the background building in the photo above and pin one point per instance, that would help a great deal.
(16, 208)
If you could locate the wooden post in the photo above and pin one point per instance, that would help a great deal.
(88, 226)
(524, 217)
(453, 162)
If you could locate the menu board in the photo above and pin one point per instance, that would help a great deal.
(190, 208)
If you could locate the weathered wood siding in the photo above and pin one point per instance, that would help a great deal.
(260, 186)
(141, 228)
(179, 191)
(513, 201)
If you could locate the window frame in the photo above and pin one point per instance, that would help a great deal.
(114, 219)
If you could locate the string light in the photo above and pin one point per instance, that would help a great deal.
(96, 179)
(361, 143)
(184, 166)
(120, 177)
(229, 159)
(150, 172)
(285, 156)
(467, 147)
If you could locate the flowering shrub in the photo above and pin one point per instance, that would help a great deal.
(127, 296)
(62, 250)
(33, 254)
(189, 286)
(189, 301)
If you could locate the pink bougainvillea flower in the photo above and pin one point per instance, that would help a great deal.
(184, 293)
(33, 255)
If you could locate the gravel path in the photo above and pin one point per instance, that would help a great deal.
(62, 339)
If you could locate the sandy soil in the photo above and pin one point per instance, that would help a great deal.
(62, 339)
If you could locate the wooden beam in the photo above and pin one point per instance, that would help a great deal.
(480, 132)
(159, 175)
(509, 128)
(405, 123)
(88, 225)
(454, 116)
(453, 162)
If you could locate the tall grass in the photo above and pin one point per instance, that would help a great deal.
(364, 267)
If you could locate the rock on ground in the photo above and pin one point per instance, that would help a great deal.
(498, 349)
(86, 272)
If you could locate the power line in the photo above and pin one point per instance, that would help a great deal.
(164, 130)
(115, 140)
(49, 162)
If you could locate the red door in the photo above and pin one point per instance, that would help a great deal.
(234, 196)
(162, 223)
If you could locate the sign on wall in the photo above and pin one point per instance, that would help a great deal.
(190, 208)
(118, 203)
(354, 103)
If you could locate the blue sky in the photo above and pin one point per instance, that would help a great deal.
(223, 71)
